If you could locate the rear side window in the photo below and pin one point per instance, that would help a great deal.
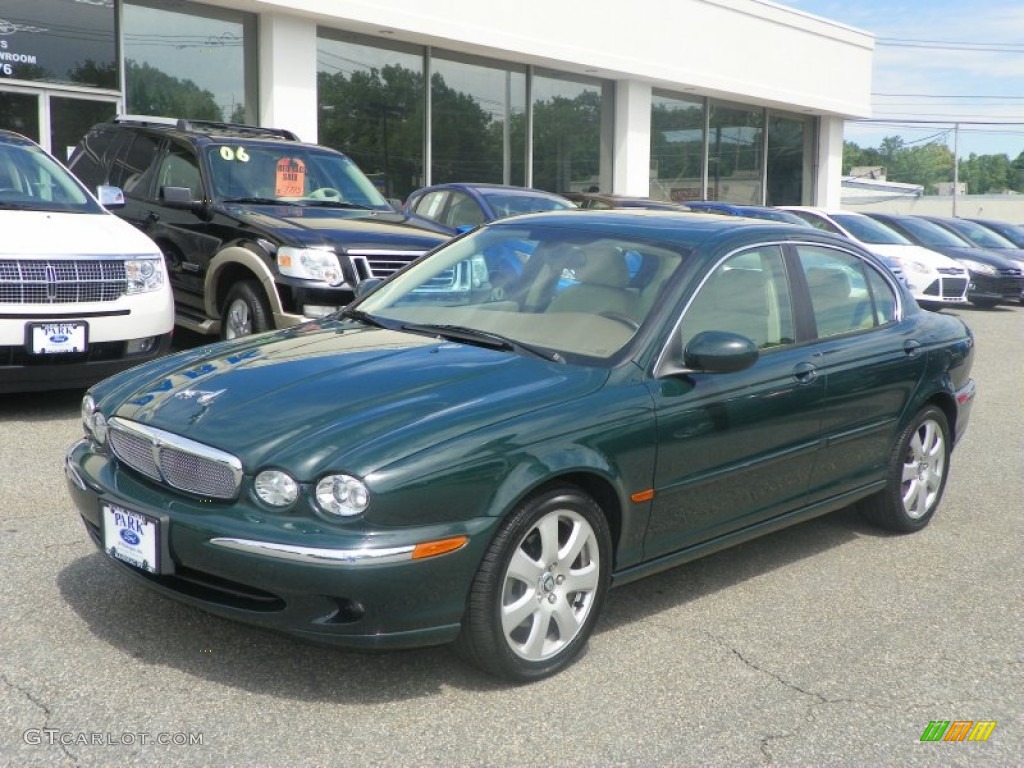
(847, 295)
(89, 161)
(129, 169)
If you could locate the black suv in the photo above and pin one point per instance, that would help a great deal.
(259, 230)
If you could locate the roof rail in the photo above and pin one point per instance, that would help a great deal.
(250, 130)
(208, 125)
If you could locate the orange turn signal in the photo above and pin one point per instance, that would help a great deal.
(641, 496)
(439, 547)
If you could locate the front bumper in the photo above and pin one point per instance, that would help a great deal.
(354, 588)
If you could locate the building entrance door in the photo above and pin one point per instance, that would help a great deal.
(54, 119)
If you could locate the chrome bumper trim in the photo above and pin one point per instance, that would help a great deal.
(363, 556)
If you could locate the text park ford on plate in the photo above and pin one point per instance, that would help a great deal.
(449, 461)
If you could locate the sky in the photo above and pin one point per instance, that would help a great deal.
(943, 61)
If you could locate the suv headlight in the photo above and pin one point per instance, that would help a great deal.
(310, 264)
(144, 275)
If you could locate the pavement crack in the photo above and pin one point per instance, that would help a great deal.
(47, 712)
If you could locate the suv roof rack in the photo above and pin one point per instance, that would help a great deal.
(206, 126)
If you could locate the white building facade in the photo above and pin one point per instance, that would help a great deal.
(736, 100)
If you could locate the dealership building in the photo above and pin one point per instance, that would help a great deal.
(736, 100)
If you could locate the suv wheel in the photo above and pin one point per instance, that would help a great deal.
(245, 311)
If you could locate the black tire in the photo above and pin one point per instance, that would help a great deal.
(918, 468)
(245, 311)
(557, 600)
(985, 303)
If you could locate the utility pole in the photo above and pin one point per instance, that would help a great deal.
(956, 163)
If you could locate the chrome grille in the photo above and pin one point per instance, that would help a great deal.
(176, 461)
(383, 263)
(60, 281)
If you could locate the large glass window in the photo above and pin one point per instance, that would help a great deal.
(786, 156)
(192, 62)
(19, 112)
(71, 118)
(571, 138)
(677, 148)
(478, 125)
(735, 141)
(59, 42)
(371, 108)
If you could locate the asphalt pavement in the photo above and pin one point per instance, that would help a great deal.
(827, 644)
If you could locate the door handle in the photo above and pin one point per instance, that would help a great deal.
(912, 347)
(805, 372)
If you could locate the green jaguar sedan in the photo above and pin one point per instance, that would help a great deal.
(478, 448)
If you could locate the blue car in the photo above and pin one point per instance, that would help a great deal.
(750, 211)
(462, 207)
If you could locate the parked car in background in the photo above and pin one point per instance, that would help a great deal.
(82, 294)
(259, 230)
(981, 236)
(1012, 232)
(604, 201)
(440, 462)
(460, 207)
(750, 211)
(993, 278)
(934, 279)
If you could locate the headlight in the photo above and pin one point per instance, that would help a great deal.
(276, 488)
(93, 420)
(143, 275)
(310, 264)
(977, 266)
(342, 495)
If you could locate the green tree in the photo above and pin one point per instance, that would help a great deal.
(154, 92)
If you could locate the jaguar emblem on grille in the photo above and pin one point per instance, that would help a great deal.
(203, 397)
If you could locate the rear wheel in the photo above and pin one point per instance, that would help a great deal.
(245, 311)
(918, 467)
(540, 587)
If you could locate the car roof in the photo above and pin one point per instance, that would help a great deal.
(203, 131)
(13, 137)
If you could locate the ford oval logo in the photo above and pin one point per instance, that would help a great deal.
(58, 338)
(130, 537)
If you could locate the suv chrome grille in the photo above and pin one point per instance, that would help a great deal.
(381, 263)
(176, 461)
(60, 281)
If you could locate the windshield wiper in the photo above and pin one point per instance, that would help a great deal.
(364, 317)
(257, 200)
(336, 204)
(482, 338)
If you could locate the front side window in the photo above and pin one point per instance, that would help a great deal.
(179, 169)
(747, 294)
(845, 295)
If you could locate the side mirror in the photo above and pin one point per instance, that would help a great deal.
(719, 352)
(110, 197)
(365, 286)
(181, 198)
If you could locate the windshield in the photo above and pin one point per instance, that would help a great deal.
(579, 294)
(290, 173)
(979, 235)
(505, 204)
(929, 233)
(32, 180)
(867, 230)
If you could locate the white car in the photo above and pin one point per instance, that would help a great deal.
(83, 294)
(934, 279)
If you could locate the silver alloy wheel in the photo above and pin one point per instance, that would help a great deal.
(238, 319)
(550, 585)
(924, 467)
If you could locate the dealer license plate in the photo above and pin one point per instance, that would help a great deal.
(131, 537)
(58, 338)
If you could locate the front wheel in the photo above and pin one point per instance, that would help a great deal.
(537, 595)
(918, 467)
(245, 311)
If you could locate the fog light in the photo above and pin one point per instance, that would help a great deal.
(318, 310)
(140, 346)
